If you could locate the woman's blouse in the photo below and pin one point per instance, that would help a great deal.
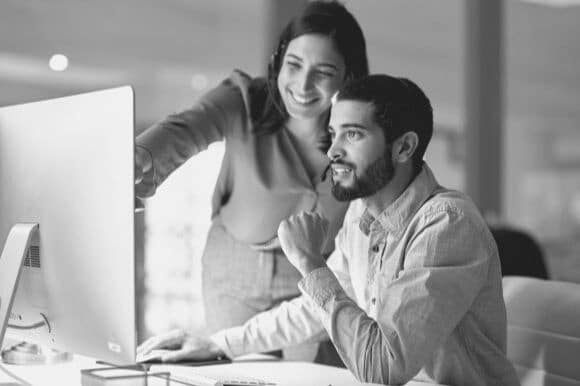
(262, 180)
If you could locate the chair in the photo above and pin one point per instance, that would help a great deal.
(519, 253)
(543, 330)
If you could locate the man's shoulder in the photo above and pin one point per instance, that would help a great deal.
(443, 199)
(450, 202)
(451, 213)
(437, 200)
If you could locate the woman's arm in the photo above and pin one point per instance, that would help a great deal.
(168, 144)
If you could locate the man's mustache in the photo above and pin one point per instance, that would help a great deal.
(329, 167)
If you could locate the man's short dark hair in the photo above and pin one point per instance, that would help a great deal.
(400, 106)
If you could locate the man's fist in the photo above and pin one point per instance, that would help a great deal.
(302, 237)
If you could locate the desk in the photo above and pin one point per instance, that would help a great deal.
(283, 373)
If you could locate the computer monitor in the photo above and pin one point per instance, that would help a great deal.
(67, 165)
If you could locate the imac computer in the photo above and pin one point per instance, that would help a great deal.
(67, 224)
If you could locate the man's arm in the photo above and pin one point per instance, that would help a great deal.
(417, 311)
(291, 323)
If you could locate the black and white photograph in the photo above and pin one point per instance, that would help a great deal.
(290, 192)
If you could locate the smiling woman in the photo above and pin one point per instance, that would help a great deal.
(275, 144)
(311, 72)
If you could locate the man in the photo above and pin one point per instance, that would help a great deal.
(413, 289)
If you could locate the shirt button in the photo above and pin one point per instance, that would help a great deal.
(376, 248)
(373, 301)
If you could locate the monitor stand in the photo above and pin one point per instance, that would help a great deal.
(11, 261)
(25, 353)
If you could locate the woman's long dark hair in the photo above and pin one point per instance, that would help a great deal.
(329, 18)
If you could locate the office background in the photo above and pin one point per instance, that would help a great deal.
(171, 51)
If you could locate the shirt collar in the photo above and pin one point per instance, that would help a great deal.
(397, 215)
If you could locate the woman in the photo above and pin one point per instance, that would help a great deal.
(275, 132)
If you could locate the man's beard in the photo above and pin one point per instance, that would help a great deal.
(376, 176)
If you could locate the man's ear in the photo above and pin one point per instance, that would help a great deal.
(405, 146)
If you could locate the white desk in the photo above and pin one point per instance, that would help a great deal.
(283, 373)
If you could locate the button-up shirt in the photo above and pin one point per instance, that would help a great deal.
(413, 293)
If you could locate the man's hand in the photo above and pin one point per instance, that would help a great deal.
(177, 345)
(302, 237)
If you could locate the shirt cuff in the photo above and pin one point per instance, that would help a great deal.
(230, 341)
(320, 286)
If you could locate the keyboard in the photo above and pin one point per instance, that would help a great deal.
(189, 376)
(154, 357)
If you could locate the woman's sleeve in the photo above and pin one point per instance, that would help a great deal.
(180, 136)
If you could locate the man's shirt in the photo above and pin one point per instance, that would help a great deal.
(413, 293)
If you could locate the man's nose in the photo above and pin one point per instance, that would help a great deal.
(335, 152)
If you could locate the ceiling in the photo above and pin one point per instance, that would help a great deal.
(157, 46)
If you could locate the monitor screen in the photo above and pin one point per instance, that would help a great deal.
(67, 165)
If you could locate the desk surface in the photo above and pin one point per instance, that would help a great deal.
(282, 373)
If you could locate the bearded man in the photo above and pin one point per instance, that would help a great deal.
(413, 289)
